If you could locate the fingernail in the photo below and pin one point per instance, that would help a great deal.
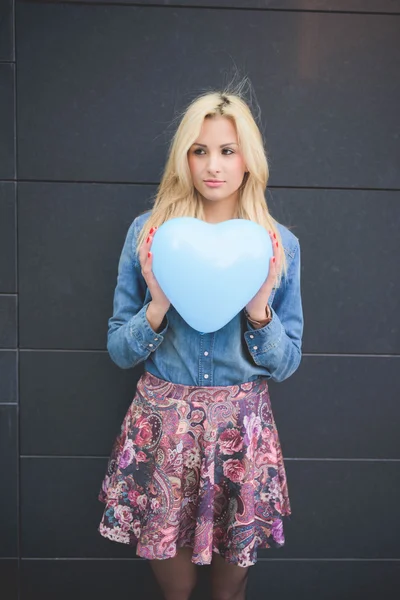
(151, 230)
(149, 254)
(275, 235)
(273, 260)
(277, 244)
(148, 239)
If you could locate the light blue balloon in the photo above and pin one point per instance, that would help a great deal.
(209, 272)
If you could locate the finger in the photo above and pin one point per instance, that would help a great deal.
(149, 262)
(275, 244)
(145, 247)
(147, 271)
(273, 272)
(277, 250)
(143, 252)
(272, 268)
(276, 270)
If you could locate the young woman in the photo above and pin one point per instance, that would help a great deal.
(196, 475)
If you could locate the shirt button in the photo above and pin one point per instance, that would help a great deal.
(252, 337)
(206, 353)
(156, 339)
(150, 345)
(205, 376)
(255, 347)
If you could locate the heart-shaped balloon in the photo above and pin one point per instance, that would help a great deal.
(210, 271)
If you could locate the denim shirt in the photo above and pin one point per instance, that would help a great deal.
(234, 354)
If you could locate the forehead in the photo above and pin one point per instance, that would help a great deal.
(221, 129)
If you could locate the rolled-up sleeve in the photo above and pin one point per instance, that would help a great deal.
(130, 339)
(277, 346)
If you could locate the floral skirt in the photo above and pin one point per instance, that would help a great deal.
(199, 467)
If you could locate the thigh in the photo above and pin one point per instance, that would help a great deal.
(227, 580)
(176, 576)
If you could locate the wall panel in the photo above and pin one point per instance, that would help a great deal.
(328, 108)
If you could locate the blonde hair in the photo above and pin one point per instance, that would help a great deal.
(176, 195)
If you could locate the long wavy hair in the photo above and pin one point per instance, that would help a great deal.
(176, 195)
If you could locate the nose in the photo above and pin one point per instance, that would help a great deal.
(213, 165)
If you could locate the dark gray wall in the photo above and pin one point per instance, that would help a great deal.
(86, 96)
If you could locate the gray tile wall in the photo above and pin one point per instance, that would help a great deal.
(87, 94)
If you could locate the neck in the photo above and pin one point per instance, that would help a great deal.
(216, 212)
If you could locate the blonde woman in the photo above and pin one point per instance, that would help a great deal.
(196, 475)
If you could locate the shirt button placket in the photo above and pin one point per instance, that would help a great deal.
(205, 360)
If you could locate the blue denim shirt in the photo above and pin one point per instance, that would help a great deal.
(234, 354)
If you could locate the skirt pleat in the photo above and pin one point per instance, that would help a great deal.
(199, 467)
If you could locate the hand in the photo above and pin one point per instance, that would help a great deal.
(160, 303)
(256, 306)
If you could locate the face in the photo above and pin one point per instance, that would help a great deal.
(215, 161)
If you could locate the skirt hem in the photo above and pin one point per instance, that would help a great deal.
(112, 536)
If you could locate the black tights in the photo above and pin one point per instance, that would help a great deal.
(177, 577)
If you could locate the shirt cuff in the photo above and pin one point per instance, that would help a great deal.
(140, 329)
(265, 338)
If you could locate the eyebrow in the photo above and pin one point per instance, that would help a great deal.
(221, 146)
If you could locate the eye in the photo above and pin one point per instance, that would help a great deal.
(227, 151)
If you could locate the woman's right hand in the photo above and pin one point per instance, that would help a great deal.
(159, 304)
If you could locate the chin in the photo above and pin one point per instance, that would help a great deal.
(214, 198)
(215, 194)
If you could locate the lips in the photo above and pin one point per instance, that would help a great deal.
(213, 183)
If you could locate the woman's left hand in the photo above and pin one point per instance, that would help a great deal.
(256, 306)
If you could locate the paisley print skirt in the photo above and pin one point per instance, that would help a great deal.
(199, 467)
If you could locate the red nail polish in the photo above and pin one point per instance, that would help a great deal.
(151, 230)
(149, 254)
(148, 239)
(277, 244)
(275, 235)
(273, 260)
